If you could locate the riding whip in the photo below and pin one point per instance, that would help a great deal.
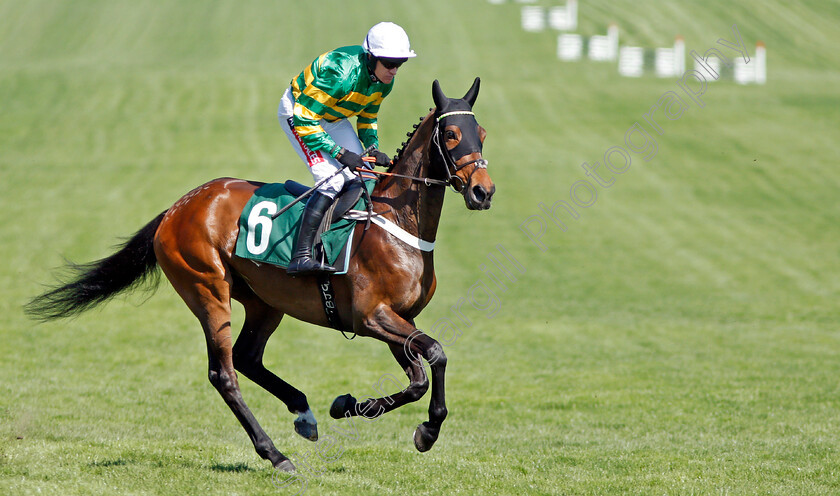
(317, 185)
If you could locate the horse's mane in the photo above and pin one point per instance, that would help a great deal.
(405, 143)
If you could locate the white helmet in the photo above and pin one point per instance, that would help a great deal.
(388, 40)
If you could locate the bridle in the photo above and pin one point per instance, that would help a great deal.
(449, 164)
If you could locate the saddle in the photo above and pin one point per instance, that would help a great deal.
(264, 240)
(346, 200)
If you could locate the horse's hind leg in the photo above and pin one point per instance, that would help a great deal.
(260, 322)
(207, 294)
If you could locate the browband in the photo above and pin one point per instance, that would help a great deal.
(455, 112)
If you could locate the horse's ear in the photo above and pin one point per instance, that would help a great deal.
(472, 93)
(437, 95)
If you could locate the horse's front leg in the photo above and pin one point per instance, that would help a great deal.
(374, 407)
(409, 346)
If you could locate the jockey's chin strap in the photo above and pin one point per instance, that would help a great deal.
(449, 163)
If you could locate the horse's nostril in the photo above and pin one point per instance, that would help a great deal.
(479, 194)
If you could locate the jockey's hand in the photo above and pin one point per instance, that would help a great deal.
(382, 160)
(352, 160)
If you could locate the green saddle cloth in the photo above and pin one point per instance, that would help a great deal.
(263, 240)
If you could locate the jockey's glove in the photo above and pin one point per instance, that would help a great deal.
(352, 160)
(382, 160)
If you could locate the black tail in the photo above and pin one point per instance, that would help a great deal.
(97, 282)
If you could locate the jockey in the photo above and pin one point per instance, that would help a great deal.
(314, 111)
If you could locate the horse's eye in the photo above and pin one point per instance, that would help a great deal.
(450, 135)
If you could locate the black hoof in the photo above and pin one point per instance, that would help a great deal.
(425, 436)
(342, 405)
(306, 429)
(285, 466)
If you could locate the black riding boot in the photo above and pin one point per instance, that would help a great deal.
(302, 262)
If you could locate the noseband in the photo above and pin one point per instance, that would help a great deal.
(449, 164)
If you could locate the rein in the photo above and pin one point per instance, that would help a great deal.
(425, 180)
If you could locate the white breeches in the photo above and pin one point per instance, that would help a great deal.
(320, 163)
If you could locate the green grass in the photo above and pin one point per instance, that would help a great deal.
(679, 337)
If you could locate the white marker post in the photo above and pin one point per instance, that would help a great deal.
(563, 17)
(760, 63)
(603, 48)
(533, 18)
(569, 47)
(631, 61)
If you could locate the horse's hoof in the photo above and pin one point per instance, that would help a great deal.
(285, 466)
(306, 426)
(342, 405)
(307, 431)
(425, 436)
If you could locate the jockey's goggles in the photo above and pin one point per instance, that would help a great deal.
(391, 63)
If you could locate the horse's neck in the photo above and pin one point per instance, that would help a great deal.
(414, 206)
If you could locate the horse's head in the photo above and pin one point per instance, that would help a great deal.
(459, 140)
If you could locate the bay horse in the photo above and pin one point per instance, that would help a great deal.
(387, 284)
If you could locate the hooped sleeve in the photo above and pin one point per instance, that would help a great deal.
(317, 90)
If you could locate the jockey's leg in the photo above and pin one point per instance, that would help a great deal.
(321, 165)
(302, 261)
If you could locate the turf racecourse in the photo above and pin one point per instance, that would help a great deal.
(679, 337)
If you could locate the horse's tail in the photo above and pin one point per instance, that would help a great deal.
(97, 282)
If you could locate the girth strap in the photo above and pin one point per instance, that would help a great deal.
(325, 289)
